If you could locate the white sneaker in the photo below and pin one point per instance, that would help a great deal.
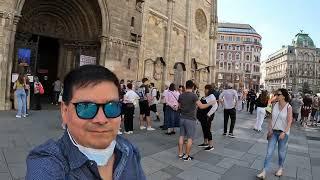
(24, 116)
(150, 129)
(119, 132)
(142, 127)
(262, 175)
(18, 116)
(127, 132)
(131, 132)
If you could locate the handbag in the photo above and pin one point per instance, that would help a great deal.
(269, 135)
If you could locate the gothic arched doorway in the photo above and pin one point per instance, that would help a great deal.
(52, 36)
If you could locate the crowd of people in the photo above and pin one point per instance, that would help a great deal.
(92, 118)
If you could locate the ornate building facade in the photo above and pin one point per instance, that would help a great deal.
(178, 41)
(160, 39)
(294, 67)
(238, 56)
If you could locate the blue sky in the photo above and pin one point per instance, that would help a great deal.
(277, 21)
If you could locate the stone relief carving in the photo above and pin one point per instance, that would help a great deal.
(158, 69)
(149, 68)
(201, 20)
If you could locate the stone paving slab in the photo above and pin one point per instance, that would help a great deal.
(233, 158)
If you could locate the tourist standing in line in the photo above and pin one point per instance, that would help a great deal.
(36, 91)
(154, 100)
(20, 94)
(129, 100)
(205, 116)
(164, 103)
(296, 104)
(261, 103)
(57, 87)
(27, 90)
(240, 100)
(188, 103)
(172, 106)
(143, 92)
(315, 109)
(306, 110)
(252, 99)
(278, 132)
(229, 99)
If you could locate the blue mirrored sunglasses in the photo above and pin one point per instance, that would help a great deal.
(88, 110)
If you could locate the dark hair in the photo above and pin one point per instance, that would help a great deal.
(152, 84)
(209, 88)
(21, 79)
(285, 93)
(129, 86)
(84, 76)
(181, 86)
(172, 87)
(189, 84)
(121, 81)
(144, 80)
(264, 97)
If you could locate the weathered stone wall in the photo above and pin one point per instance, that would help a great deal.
(169, 33)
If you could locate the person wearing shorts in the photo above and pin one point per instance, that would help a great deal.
(143, 92)
(188, 103)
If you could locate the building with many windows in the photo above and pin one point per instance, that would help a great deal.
(238, 56)
(295, 67)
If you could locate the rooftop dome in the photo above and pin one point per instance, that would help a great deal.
(303, 40)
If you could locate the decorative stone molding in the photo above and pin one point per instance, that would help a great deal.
(119, 41)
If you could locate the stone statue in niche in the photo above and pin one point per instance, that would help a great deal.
(148, 69)
(158, 69)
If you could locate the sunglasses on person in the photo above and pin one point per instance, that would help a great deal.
(278, 94)
(89, 110)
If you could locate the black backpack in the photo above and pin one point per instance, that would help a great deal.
(158, 95)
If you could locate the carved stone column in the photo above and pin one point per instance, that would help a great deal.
(103, 51)
(213, 42)
(167, 47)
(187, 51)
(8, 22)
(61, 60)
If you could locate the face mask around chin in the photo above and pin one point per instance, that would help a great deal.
(100, 156)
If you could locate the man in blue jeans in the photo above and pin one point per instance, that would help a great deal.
(90, 147)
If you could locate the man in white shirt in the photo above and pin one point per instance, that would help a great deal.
(154, 101)
(229, 99)
(129, 100)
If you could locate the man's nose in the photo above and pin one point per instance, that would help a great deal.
(100, 117)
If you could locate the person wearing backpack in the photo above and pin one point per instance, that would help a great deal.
(155, 97)
(38, 91)
(143, 92)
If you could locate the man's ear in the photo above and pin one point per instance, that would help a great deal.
(64, 112)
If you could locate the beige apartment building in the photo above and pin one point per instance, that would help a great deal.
(238, 56)
(295, 66)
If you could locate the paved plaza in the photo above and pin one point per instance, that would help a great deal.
(232, 159)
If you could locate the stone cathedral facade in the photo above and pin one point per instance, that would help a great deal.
(164, 40)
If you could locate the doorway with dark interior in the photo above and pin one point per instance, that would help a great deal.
(47, 67)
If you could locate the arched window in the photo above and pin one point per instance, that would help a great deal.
(229, 56)
(132, 21)
(129, 64)
(248, 57)
(237, 56)
(222, 56)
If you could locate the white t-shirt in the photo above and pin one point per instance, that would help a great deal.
(214, 107)
(229, 96)
(164, 95)
(154, 96)
(131, 97)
